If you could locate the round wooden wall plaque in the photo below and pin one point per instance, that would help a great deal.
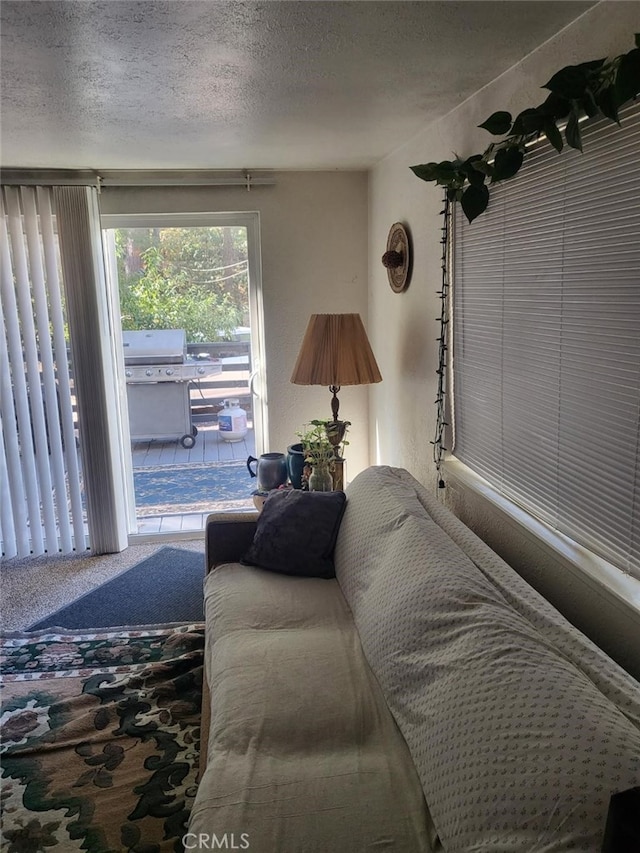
(397, 258)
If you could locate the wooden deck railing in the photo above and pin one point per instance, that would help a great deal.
(207, 394)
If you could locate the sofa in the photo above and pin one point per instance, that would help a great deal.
(425, 698)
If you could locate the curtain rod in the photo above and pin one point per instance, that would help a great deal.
(137, 178)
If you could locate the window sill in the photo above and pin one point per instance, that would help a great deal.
(594, 570)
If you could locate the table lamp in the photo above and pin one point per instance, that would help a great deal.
(335, 351)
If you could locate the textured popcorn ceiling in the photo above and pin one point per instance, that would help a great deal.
(213, 85)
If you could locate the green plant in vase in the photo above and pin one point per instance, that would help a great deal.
(319, 454)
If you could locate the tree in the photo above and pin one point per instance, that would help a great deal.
(194, 279)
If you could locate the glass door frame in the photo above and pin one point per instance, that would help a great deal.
(258, 380)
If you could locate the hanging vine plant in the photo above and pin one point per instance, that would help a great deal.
(595, 88)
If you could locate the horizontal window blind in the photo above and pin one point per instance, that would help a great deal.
(546, 339)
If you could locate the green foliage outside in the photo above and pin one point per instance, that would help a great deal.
(194, 279)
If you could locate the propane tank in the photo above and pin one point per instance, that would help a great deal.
(232, 421)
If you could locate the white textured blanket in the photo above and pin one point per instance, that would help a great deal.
(520, 728)
(304, 755)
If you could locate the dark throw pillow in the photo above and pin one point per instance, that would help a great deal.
(296, 533)
(622, 831)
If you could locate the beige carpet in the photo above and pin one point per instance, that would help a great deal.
(33, 587)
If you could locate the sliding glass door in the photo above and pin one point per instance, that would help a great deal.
(187, 292)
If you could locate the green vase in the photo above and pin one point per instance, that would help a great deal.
(320, 479)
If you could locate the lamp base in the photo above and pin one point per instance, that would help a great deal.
(338, 475)
(336, 431)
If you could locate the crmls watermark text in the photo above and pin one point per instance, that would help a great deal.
(206, 841)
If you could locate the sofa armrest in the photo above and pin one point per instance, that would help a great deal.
(227, 536)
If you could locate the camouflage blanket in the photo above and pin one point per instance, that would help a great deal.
(99, 738)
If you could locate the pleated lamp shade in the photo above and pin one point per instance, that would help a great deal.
(335, 351)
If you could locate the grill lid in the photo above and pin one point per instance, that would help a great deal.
(155, 346)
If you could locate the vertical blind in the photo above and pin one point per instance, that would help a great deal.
(546, 339)
(41, 506)
(93, 333)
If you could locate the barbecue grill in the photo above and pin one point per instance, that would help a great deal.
(158, 372)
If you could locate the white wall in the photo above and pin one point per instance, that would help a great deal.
(314, 260)
(403, 327)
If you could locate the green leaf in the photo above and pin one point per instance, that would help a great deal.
(483, 166)
(592, 65)
(588, 104)
(443, 173)
(475, 178)
(474, 201)
(627, 83)
(555, 106)
(553, 134)
(528, 121)
(572, 132)
(448, 173)
(452, 193)
(569, 82)
(497, 123)
(426, 171)
(637, 39)
(507, 163)
(606, 100)
(473, 175)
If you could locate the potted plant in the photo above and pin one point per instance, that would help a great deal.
(319, 455)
